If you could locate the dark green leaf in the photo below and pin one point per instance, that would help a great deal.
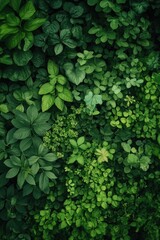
(34, 24)
(43, 182)
(21, 58)
(25, 144)
(22, 133)
(32, 113)
(30, 180)
(21, 178)
(58, 48)
(41, 129)
(12, 172)
(27, 11)
(51, 175)
(15, 4)
(50, 157)
(3, 3)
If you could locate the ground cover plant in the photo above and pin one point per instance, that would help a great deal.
(79, 120)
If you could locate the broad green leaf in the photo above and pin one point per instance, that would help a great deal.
(25, 144)
(32, 113)
(58, 48)
(22, 133)
(80, 141)
(126, 147)
(132, 159)
(59, 103)
(28, 41)
(92, 2)
(21, 178)
(30, 180)
(4, 108)
(12, 20)
(76, 11)
(3, 3)
(9, 163)
(33, 160)
(51, 175)
(27, 11)
(12, 172)
(15, 4)
(15, 161)
(52, 68)
(114, 24)
(41, 129)
(6, 30)
(47, 102)
(66, 95)
(61, 79)
(17, 73)
(72, 159)
(42, 117)
(158, 139)
(27, 189)
(46, 88)
(35, 168)
(34, 24)
(65, 34)
(75, 75)
(69, 43)
(21, 58)
(56, 4)
(50, 157)
(14, 40)
(73, 142)
(80, 159)
(6, 59)
(43, 182)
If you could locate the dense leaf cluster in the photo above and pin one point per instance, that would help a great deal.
(79, 119)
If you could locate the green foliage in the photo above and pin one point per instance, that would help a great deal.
(79, 120)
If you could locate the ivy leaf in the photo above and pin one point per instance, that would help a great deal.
(21, 58)
(75, 75)
(47, 102)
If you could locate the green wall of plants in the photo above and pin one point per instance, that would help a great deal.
(79, 120)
